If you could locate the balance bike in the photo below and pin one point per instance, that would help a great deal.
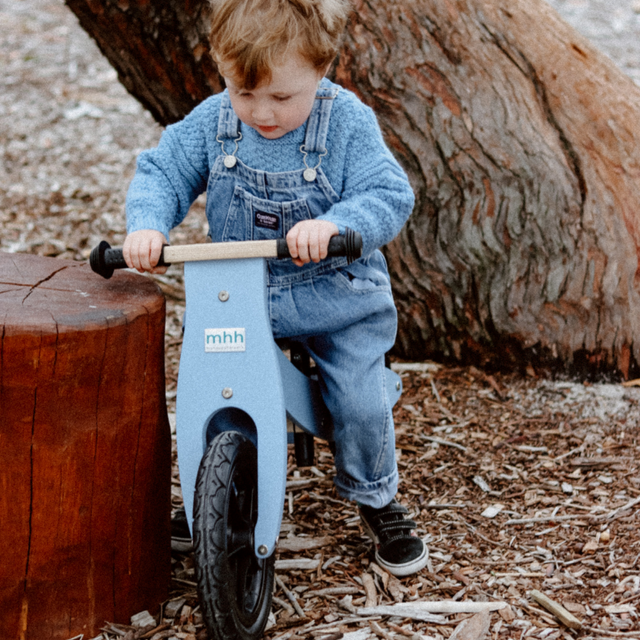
(236, 390)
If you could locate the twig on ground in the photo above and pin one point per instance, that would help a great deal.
(445, 443)
(290, 596)
(556, 609)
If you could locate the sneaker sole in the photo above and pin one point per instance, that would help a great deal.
(398, 570)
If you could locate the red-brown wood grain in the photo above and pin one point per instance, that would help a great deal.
(84, 448)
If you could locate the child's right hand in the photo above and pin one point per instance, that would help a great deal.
(141, 250)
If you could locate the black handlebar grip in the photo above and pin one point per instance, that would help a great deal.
(104, 260)
(353, 245)
(348, 245)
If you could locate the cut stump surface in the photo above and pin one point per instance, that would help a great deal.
(84, 448)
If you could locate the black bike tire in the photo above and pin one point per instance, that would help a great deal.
(229, 453)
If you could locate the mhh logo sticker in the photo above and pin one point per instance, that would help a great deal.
(224, 340)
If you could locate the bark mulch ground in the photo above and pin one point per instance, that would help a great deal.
(518, 484)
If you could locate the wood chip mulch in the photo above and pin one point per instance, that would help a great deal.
(519, 485)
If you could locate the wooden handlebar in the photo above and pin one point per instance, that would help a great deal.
(104, 259)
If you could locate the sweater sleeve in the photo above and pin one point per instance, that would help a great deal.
(376, 198)
(170, 177)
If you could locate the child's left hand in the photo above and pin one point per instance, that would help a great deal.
(309, 240)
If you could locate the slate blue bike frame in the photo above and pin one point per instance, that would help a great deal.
(234, 376)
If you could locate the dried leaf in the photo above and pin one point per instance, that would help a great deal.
(474, 628)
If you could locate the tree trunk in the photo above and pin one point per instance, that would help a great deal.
(159, 49)
(518, 138)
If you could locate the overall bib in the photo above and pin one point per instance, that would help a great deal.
(344, 315)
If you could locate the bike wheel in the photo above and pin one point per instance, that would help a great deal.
(234, 585)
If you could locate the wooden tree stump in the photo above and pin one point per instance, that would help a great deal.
(84, 449)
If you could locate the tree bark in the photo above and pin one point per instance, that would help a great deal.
(159, 49)
(520, 140)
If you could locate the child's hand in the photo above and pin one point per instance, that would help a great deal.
(309, 240)
(141, 250)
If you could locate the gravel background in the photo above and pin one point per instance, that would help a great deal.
(69, 133)
(612, 25)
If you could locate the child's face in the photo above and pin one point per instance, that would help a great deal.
(282, 105)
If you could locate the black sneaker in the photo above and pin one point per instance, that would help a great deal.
(180, 534)
(398, 549)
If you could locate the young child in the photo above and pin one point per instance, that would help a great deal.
(284, 152)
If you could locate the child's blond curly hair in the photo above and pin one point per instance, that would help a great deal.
(249, 37)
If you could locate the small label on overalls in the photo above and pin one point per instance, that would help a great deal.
(267, 220)
(221, 340)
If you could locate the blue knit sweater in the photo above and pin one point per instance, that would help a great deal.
(375, 195)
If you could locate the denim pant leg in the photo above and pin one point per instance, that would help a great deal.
(351, 363)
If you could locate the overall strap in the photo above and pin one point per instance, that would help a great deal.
(318, 123)
(228, 123)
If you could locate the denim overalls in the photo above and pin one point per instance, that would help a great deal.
(344, 315)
